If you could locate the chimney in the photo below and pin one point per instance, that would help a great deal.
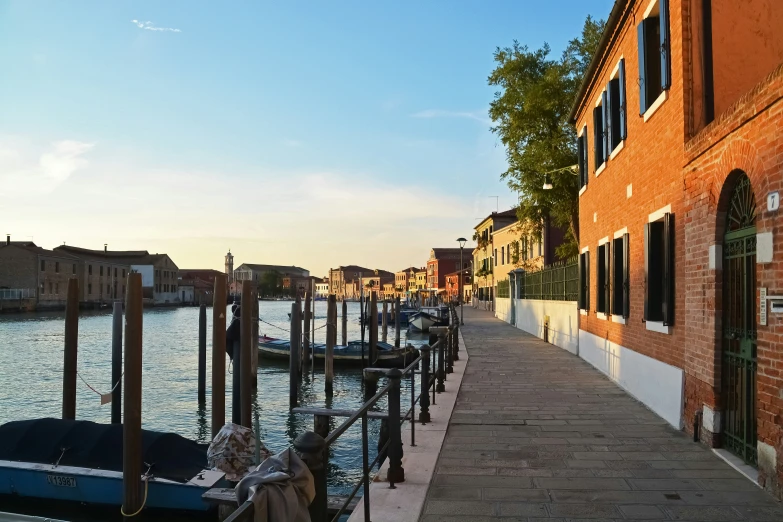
(8, 239)
(105, 247)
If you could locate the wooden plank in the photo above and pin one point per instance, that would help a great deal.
(337, 413)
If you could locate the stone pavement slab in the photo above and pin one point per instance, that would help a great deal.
(538, 434)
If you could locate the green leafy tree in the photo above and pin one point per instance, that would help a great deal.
(271, 283)
(530, 115)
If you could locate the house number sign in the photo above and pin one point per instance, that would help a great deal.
(773, 201)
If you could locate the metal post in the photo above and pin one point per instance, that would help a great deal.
(293, 360)
(116, 363)
(413, 406)
(202, 354)
(461, 287)
(396, 473)
(456, 343)
(311, 448)
(397, 320)
(424, 414)
(246, 345)
(71, 349)
(131, 426)
(441, 369)
(219, 354)
(366, 467)
(373, 318)
(449, 350)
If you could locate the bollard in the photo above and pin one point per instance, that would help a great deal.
(441, 370)
(131, 426)
(219, 354)
(254, 343)
(71, 349)
(456, 343)
(311, 448)
(293, 359)
(306, 333)
(321, 425)
(397, 320)
(246, 345)
(424, 414)
(396, 473)
(449, 348)
(345, 323)
(370, 383)
(331, 327)
(202, 354)
(236, 379)
(116, 363)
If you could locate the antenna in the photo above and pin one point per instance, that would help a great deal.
(497, 200)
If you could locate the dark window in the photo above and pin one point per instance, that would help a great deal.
(602, 282)
(115, 272)
(654, 56)
(43, 265)
(100, 271)
(502, 255)
(581, 146)
(584, 281)
(89, 288)
(123, 273)
(123, 289)
(108, 289)
(57, 267)
(598, 136)
(74, 268)
(659, 270)
(620, 277)
(89, 270)
(615, 109)
(57, 288)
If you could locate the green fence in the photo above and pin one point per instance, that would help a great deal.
(556, 282)
(503, 289)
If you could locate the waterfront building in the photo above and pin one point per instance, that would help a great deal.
(402, 282)
(291, 277)
(377, 281)
(322, 288)
(345, 281)
(441, 262)
(680, 173)
(197, 286)
(105, 271)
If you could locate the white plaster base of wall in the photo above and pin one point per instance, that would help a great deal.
(658, 385)
(503, 309)
(563, 321)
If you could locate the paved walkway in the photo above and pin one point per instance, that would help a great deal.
(539, 434)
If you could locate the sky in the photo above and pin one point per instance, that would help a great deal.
(314, 133)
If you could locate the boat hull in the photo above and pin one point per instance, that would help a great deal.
(92, 486)
(422, 321)
(388, 356)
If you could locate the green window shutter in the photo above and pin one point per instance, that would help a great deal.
(668, 269)
(587, 280)
(646, 271)
(580, 148)
(597, 139)
(626, 276)
(642, 70)
(615, 133)
(581, 296)
(666, 66)
(621, 86)
(605, 129)
(584, 151)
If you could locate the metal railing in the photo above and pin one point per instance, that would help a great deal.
(7, 294)
(558, 281)
(435, 361)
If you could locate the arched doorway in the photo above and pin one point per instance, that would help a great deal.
(738, 373)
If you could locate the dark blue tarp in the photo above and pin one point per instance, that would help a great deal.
(93, 445)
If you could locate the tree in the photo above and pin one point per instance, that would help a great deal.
(530, 115)
(271, 283)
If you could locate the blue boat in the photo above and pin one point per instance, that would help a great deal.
(388, 355)
(405, 315)
(81, 461)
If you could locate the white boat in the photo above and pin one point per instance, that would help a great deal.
(422, 321)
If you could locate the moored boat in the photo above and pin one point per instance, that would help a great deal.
(388, 355)
(421, 321)
(81, 461)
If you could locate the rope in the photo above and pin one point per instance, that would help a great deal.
(96, 391)
(146, 480)
(274, 325)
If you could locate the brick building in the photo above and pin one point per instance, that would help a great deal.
(345, 281)
(677, 243)
(292, 278)
(442, 261)
(197, 286)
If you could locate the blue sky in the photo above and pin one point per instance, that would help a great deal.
(308, 133)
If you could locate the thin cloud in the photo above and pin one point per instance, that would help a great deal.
(437, 113)
(150, 26)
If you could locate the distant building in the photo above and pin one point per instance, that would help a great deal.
(254, 272)
(483, 255)
(441, 262)
(197, 286)
(229, 267)
(377, 281)
(345, 281)
(322, 288)
(105, 269)
(401, 281)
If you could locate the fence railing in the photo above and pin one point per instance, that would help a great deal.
(558, 281)
(503, 288)
(436, 361)
(17, 293)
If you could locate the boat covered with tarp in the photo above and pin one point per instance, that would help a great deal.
(388, 355)
(82, 461)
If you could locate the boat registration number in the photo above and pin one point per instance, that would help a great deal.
(61, 480)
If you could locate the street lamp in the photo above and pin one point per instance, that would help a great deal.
(573, 169)
(461, 242)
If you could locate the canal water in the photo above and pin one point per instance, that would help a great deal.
(31, 361)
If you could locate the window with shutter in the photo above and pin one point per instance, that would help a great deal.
(614, 114)
(605, 120)
(654, 54)
(659, 270)
(598, 139)
(602, 281)
(580, 150)
(622, 101)
(584, 281)
(620, 272)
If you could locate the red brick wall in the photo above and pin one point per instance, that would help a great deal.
(748, 137)
(651, 162)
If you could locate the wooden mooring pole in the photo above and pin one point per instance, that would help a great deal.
(131, 447)
(246, 345)
(116, 363)
(345, 323)
(293, 357)
(385, 321)
(219, 355)
(331, 335)
(373, 317)
(71, 349)
(254, 344)
(202, 354)
(308, 316)
(397, 320)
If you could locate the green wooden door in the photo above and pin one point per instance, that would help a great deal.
(738, 376)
